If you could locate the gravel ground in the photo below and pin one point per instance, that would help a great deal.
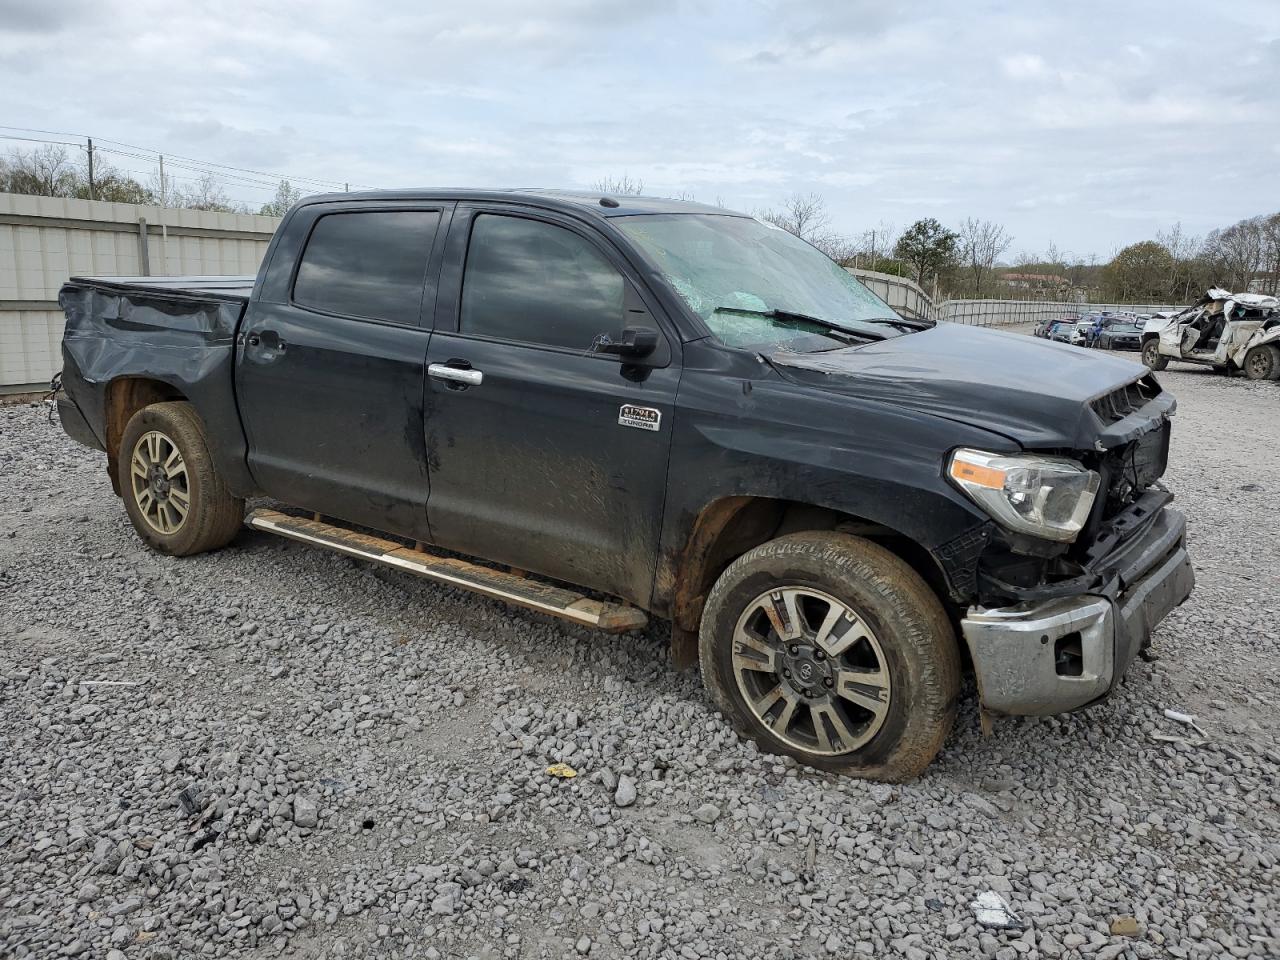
(274, 750)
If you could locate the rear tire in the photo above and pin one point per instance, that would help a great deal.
(172, 492)
(1262, 363)
(857, 662)
(1151, 355)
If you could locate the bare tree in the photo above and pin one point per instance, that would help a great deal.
(204, 194)
(875, 244)
(804, 215)
(622, 186)
(44, 172)
(1236, 253)
(981, 242)
(1271, 253)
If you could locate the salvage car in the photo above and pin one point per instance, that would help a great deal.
(617, 409)
(1122, 333)
(1223, 330)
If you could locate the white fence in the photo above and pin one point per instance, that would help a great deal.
(46, 240)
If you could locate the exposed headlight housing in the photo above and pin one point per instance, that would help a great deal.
(1048, 497)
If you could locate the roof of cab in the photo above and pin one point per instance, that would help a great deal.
(575, 200)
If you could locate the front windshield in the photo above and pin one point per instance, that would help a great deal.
(754, 284)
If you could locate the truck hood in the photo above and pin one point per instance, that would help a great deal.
(1032, 391)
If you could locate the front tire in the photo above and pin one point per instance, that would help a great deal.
(830, 649)
(1151, 355)
(172, 492)
(1262, 363)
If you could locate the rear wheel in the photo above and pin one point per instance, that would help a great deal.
(831, 649)
(1262, 363)
(1151, 355)
(172, 492)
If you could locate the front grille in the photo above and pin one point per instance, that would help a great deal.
(1118, 404)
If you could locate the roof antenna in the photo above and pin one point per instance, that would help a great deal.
(608, 202)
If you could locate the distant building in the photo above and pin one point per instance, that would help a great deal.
(1035, 281)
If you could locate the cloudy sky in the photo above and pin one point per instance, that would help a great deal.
(1087, 124)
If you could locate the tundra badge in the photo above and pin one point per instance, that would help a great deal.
(643, 418)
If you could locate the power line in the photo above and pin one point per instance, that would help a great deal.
(334, 184)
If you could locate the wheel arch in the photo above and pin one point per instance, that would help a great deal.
(729, 526)
(124, 396)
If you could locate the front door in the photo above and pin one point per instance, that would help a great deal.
(544, 454)
(330, 377)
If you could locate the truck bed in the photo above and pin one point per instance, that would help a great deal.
(202, 288)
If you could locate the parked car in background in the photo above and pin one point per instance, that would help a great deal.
(1062, 330)
(1223, 330)
(1045, 326)
(1123, 333)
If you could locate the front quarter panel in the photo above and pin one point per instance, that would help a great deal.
(741, 430)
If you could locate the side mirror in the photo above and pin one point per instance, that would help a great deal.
(635, 343)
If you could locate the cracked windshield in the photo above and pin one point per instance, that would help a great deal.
(757, 286)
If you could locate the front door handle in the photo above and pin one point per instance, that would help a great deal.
(443, 371)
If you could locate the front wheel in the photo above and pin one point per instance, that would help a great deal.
(172, 491)
(1262, 363)
(1151, 355)
(830, 649)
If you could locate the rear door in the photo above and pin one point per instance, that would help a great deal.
(331, 368)
(546, 455)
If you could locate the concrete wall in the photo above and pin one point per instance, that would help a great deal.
(46, 240)
(898, 292)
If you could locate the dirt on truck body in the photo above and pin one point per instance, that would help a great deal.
(656, 409)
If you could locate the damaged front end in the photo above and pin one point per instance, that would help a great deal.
(1056, 624)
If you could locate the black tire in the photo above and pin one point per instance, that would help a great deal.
(1262, 363)
(910, 630)
(1151, 355)
(212, 515)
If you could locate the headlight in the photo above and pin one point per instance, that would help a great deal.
(1047, 497)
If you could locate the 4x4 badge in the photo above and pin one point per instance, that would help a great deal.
(643, 418)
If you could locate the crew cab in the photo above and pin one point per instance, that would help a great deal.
(619, 409)
(1224, 330)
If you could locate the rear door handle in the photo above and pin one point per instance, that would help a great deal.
(443, 371)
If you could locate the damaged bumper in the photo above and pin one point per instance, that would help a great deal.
(1052, 655)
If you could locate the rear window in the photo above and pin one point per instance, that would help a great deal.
(367, 264)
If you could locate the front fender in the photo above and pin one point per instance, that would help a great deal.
(770, 438)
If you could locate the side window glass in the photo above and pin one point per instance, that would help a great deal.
(535, 282)
(367, 264)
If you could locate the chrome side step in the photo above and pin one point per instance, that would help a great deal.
(521, 591)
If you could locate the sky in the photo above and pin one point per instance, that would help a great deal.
(1084, 124)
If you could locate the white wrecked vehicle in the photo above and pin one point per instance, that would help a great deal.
(1226, 331)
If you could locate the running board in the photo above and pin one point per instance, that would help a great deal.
(521, 591)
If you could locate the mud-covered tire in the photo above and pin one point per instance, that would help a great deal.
(1151, 355)
(212, 515)
(908, 623)
(1262, 363)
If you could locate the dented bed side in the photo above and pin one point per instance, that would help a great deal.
(128, 338)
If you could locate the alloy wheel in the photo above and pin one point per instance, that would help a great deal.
(811, 669)
(160, 484)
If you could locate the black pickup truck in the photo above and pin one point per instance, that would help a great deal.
(608, 409)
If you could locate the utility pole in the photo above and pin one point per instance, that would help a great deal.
(164, 228)
(92, 191)
(346, 188)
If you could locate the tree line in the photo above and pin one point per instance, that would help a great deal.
(49, 172)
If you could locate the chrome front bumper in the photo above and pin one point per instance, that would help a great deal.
(1018, 651)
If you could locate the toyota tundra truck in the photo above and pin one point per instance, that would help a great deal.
(618, 409)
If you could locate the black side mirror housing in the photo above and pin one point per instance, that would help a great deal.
(635, 343)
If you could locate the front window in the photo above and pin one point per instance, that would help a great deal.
(757, 286)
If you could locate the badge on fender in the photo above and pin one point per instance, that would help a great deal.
(642, 418)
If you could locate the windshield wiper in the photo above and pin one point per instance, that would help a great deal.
(904, 322)
(830, 326)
